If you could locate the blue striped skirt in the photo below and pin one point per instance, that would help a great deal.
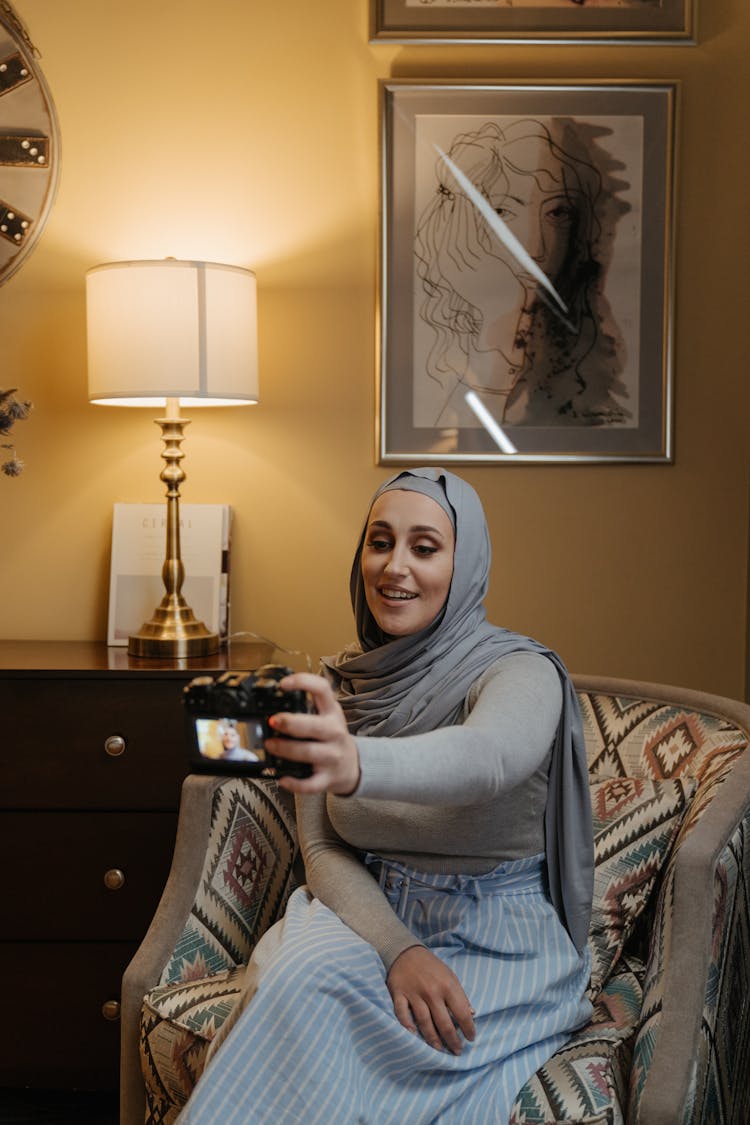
(320, 1042)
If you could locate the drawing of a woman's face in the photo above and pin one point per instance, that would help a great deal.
(511, 305)
(547, 224)
(541, 202)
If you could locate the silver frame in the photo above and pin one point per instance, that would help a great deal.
(399, 441)
(672, 22)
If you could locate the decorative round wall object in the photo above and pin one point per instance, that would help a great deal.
(29, 144)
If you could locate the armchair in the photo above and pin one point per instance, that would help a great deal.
(670, 1035)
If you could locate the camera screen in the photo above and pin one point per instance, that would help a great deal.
(230, 740)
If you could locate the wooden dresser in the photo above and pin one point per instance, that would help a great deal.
(93, 756)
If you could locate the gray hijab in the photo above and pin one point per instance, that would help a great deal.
(413, 684)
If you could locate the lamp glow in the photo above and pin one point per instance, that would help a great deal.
(166, 333)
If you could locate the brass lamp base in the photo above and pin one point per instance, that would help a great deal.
(173, 631)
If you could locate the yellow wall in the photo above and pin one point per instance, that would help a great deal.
(245, 131)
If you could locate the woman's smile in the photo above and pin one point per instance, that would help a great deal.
(399, 595)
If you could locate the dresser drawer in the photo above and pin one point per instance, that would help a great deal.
(56, 1035)
(59, 752)
(93, 876)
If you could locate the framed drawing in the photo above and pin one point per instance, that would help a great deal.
(533, 21)
(525, 293)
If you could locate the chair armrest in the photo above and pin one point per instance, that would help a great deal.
(146, 967)
(695, 936)
(232, 872)
(692, 1043)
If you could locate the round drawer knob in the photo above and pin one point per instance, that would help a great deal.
(114, 879)
(111, 1009)
(115, 745)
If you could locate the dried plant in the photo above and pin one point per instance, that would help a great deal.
(11, 411)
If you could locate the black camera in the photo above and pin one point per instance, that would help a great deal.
(228, 722)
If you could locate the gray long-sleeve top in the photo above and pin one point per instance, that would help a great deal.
(457, 800)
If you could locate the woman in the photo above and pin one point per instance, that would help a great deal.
(437, 956)
(232, 749)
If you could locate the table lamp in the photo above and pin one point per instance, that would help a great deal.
(170, 333)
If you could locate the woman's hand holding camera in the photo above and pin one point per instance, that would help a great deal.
(321, 739)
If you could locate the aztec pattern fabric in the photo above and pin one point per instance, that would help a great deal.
(718, 1097)
(631, 736)
(635, 822)
(627, 737)
(586, 1081)
(247, 878)
(178, 1024)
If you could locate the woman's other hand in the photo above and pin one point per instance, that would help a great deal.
(321, 739)
(428, 996)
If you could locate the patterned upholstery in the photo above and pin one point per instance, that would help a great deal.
(598, 1077)
(718, 1097)
(629, 736)
(178, 1024)
(722, 1040)
(245, 883)
(246, 880)
(587, 1080)
(635, 822)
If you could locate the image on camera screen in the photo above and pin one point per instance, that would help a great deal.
(230, 740)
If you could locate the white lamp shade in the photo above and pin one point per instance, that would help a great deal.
(171, 329)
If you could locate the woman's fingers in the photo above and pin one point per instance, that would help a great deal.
(403, 1013)
(421, 984)
(320, 739)
(430, 1031)
(317, 688)
(300, 725)
(460, 1011)
(335, 769)
(415, 1014)
(435, 1023)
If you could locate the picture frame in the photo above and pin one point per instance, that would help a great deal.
(525, 291)
(634, 22)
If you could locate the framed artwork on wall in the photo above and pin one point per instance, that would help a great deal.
(525, 292)
(533, 21)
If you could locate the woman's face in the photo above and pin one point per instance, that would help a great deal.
(545, 215)
(407, 561)
(230, 738)
(543, 221)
